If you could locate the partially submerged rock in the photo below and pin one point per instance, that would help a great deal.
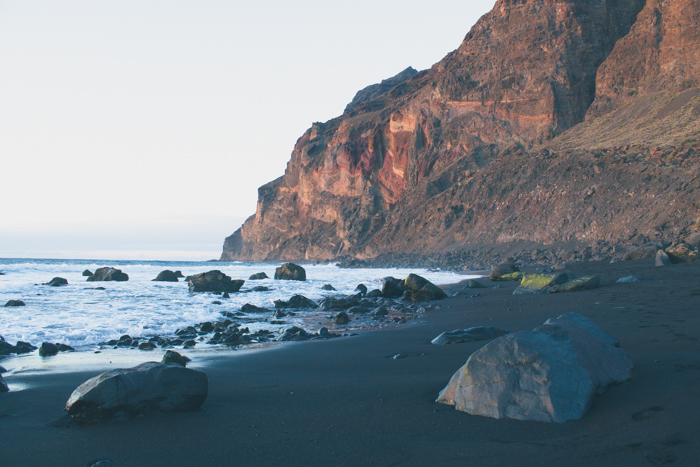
(3, 385)
(213, 281)
(420, 289)
(149, 387)
(108, 274)
(258, 276)
(375, 293)
(167, 276)
(87, 273)
(338, 303)
(362, 288)
(57, 282)
(291, 272)
(539, 283)
(297, 301)
(327, 287)
(250, 308)
(549, 374)
(478, 333)
(15, 303)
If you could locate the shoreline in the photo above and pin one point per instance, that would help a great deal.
(345, 402)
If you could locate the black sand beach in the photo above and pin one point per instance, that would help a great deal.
(344, 402)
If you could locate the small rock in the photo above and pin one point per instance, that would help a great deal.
(213, 281)
(473, 284)
(342, 318)
(338, 304)
(662, 259)
(3, 385)
(279, 314)
(249, 308)
(216, 302)
(87, 273)
(179, 274)
(47, 349)
(260, 288)
(15, 303)
(225, 295)
(539, 283)
(174, 357)
(375, 293)
(206, 327)
(57, 282)
(501, 270)
(147, 346)
(65, 348)
(258, 276)
(559, 266)
(328, 287)
(297, 301)
(577, 285)
(393, 288)
(626, 280)
(362, 288)
(380, 311)
(3, 370)
(290, 271)
(398, 356)
(358, 310)
(103, 463)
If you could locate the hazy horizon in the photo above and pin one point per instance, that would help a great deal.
(145, 128)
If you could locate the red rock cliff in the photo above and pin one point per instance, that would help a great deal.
(524, 73)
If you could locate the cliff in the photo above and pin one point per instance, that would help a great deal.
(500, 141)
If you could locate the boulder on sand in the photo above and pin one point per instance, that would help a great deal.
(577, 285)
(502, 270)
(478, 333)
(540, 283)
(56, 282)
(626, 280)
(149, 387)
(258, 276)
(420, 289)
(681, 253)
(213, 281)
(47, 349)
(550, 374)
(662, 259)
(108, 274)
(473, 284)
(166, 276)
(290, 272)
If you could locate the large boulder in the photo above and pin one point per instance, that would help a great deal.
(540, 283)
(550, 374)
(258, 276)
(56, 282)
(290, 272)
(108, 274)
(420, 289)
(167, 276)
(149, 387)
(297, 301)
(478, 333)
(502, 270)
(213, 281)
(681, 253)
(392, 287)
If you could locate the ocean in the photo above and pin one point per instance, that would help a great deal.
(82, 316)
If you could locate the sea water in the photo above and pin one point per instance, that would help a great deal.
(82, 316)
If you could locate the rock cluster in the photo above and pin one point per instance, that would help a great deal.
(550, 374)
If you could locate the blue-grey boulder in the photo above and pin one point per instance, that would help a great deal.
(478, 333)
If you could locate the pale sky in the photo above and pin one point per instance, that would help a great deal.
(142, 129)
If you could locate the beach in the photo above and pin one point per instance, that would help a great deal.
(346, 402)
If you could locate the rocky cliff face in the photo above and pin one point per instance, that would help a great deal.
(440, 160)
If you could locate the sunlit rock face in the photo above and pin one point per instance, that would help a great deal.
(524, 73)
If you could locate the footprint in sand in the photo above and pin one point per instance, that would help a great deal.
(647, 414)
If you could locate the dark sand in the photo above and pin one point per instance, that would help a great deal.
(344, 402)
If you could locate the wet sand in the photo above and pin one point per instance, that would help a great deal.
(344, 402)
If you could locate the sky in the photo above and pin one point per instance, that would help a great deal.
(141, 129)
